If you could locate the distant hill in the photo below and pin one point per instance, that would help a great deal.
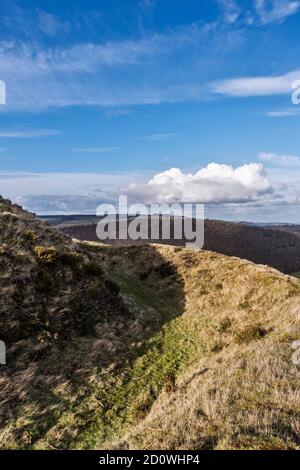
(142, 347)
(277, 247)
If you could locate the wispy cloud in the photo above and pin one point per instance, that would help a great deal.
(159, 137)
(256, 86)
(29, 133)
(147, 3)
(288, 112)
(258, 12)
(231, 10)
(275, 10)
(286, 160)
(95, 149)
(171, 66)
(49, 24)
(120, 73)
(120, 112)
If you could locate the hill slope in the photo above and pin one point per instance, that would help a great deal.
(142, 347)
(278, 248)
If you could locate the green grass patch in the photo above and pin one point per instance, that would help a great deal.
(168, 345)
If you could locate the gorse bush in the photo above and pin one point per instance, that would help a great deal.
(51, 257)
(30, 236)
(45, 255)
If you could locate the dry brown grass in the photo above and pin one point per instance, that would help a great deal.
(239, 399)
(246, 395)
(147, 347)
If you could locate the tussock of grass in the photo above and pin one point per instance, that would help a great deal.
(46, 255)
(30, 236)
(251, 333)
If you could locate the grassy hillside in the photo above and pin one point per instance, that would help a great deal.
(278, 248)
(142, 347)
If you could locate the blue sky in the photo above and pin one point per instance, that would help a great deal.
(109, 96)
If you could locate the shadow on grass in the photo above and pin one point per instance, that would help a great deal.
(109, 361)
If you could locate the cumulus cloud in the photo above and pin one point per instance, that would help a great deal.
(215, 183)
(243, 193)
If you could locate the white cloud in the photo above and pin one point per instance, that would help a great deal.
(14, 184)
(120, 112)
(65, 204)
(116, 73)
(29, 133)
(82, 74)
(231, 10)
(262, 12)
(172, 66)
(215, 183)
(257, 86)
(244, 193)
(95, 149)
(158, 137)
(286, 183)
(63, 192)
(289, 160)
(270, 11)
(49, 24)
(288, 112)
(147, 3)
